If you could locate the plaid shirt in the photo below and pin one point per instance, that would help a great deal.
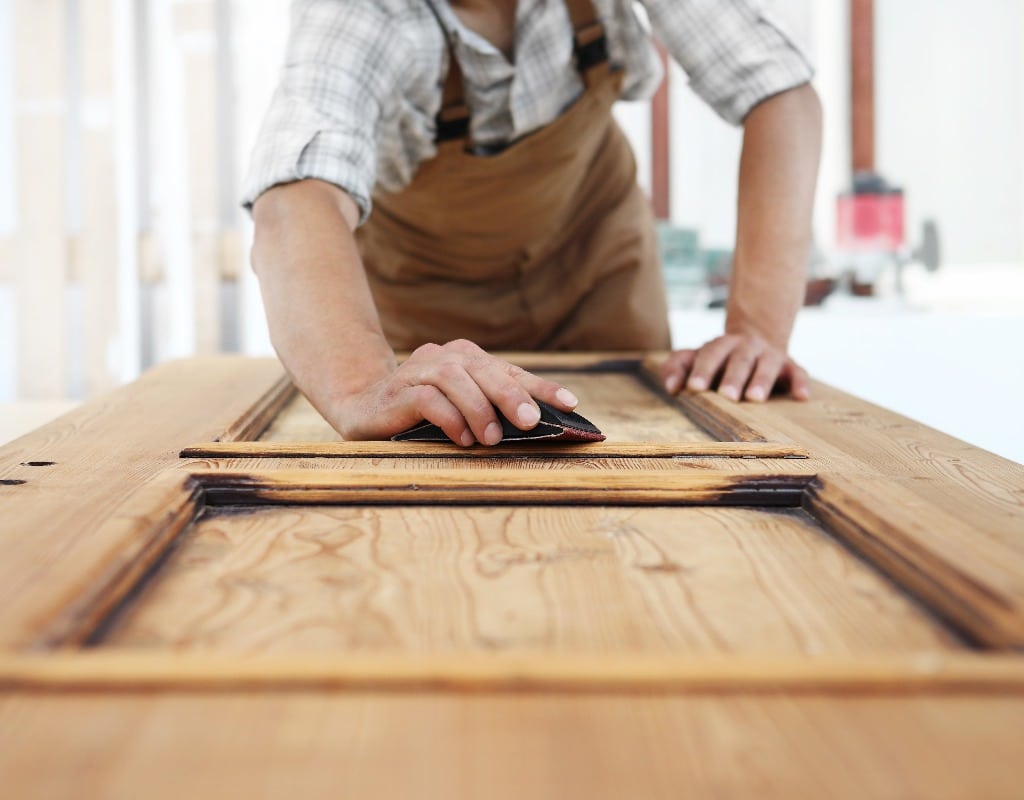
(361, 81)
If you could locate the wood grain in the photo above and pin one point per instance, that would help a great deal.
(139, 532)
(329, 745)
(519, 579)
(981, 596)
(618, 402)
(74, 473)
(806, 467)
(952, 487)
(467, 486)
(512, 651)
(625, 408)
(262, 413)
(592, 450)
(121, 671)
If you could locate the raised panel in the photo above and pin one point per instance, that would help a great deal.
(618, 401)
(513, 579)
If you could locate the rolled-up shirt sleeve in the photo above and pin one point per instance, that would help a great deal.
(340, 69)
(736, 53)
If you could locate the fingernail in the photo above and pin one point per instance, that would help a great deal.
(730, 392)
(529, 414)
(567, 398)
(672, 383)
(467, 438)
(492, 433)
(756, 394)
(697, 384)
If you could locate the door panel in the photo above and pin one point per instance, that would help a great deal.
(316, 744)
(430, 580)
(781, 593)
(619, 402)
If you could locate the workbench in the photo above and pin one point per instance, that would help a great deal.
(203, 592)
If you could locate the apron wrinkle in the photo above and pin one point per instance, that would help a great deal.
(549, 244)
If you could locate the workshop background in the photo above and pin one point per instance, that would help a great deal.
(126, 126)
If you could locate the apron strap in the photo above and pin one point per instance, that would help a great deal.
(590, 45)
(590, 55)
(452, 120)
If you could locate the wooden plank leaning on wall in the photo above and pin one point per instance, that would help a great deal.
(195, 29)
(39, 254)
(97, 252)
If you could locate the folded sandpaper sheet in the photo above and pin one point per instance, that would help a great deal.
(554, 426)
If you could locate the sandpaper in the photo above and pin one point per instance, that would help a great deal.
(554, 426)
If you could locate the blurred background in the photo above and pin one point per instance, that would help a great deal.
(126, 127)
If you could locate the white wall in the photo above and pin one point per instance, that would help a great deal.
(705, 155)
(949, 124)
(7, 189)
(259, 52)
(950, 106)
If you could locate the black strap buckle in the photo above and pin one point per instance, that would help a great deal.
(452, 123)
(590, 47)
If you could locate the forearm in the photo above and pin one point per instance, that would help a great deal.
(778, 172)
(321, 315)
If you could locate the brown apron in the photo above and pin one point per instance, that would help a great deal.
(548, 245)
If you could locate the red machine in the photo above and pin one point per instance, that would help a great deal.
(870, 218)
(871, 233)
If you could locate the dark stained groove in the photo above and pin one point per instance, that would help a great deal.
(611, 365)
(757, 491)
(84, 619)
(973, 622)
(101, 631)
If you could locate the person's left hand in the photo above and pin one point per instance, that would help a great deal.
(742, 365)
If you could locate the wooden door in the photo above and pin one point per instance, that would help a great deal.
(781, 600)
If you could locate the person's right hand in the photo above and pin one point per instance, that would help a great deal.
(455, 386)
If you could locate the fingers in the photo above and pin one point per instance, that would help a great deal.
(473, 382)
(799, 381)
(742, 366)
(675, 369)
(435, 407)
(549, 391)
(710, 360)
(766, 372)
(500, 384)
(461, 391)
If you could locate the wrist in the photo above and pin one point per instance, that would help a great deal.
(774, 331)
(764, 302)
(328, 376)
(372, 361)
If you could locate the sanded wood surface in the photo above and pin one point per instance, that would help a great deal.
(502, 486)
(60, 484)
(511, 625)
(928, 551)
(855, 438)
(330, 745)
(126, 670)
(500, 459)
(528, 450)
(619, 402)
(440, 580)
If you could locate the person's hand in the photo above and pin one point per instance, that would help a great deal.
(742, 365)
(455, 386)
